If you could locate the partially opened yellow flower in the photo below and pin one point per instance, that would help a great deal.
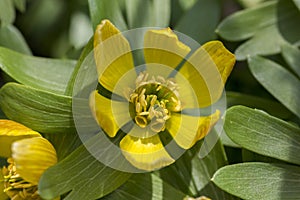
(153, 97)
(29, 155)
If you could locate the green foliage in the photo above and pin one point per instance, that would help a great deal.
(7, 12)
(201, 30)
(262, 33)
(82, 175)
(291, 55)
(10, 37)
(267, 27)
(260, 181)
(107, 9)
(287, 92)
(146, 187)
(41, 73)
(40, 110)
(192, 174)
(259, 132)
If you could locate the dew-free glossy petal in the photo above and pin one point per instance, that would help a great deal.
(11, 131)
(112, 54)
(32, 157)
(110, 115)
(145, 153)
(163, 47)
(207, 71)
(187, 130)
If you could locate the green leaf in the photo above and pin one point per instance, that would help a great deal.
(41, 73)
(282, 84)
(146, 187)
(250, 3)
(40, 110)
(274, 108)
(291, 55)
(201, 20)
(7, 12)
(269, 25)
(259, 132)
(297, 2)
(20, 5)
(2, 116)
(106, 9)
(243, 24)
(10, 37)
(192, 173)
(155, 13)
(87, 49)
(64, 143)
(266, 41)
(162, 10)
(260, 181)
(83, 175)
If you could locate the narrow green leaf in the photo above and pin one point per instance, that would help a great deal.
(271, 24)
(259, 132)
(266, 41)
(297, 2)
(155, 13)
(192, 174)
(87, 49)
(135, 8)
(146, 187)
(2, 115)
(106, 9)
(260, 181)
(7, 12)
(274, 108)
(201, 20)
(64, 143)
(20, 5)
(243, 24)
(250, 3)
(41, 73)
(291, 55)
(83, 175)
(40, 110)
(282, 84)
(11, 37)
(187, 4)
(250, 156)
(162, 11)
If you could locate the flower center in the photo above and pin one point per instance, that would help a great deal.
(152, 101)
(15, 186)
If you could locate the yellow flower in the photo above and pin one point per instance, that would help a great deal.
(153, 99)
(29, 155)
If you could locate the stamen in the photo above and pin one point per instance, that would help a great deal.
(15, 186)
(154, 107)
(141, 121)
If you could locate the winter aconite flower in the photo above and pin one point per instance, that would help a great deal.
(153, 97)
(29, 155)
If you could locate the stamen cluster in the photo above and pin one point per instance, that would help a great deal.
(153, 100)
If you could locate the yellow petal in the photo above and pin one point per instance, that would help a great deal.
(112, 54)
(187, 130)
(145, 153)
(32, 157)
(163, 47)
(207, 71)
(110, 115)
(11, 131)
